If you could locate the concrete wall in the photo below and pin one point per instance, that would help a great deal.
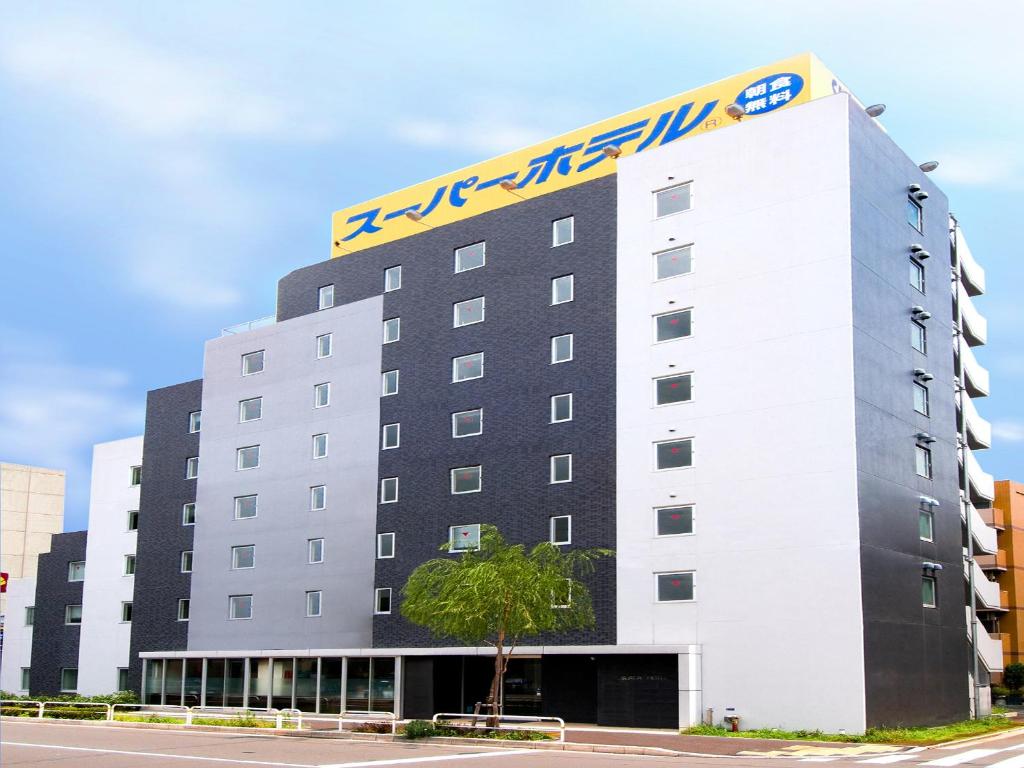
(54, 643)
(17, 652)
(105, 639)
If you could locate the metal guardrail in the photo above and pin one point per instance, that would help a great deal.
(471, 721)
(20, 703)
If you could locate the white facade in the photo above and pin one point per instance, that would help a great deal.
(17, 651)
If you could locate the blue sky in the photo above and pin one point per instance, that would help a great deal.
(163, 164)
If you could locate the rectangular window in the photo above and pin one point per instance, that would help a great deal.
(464, 538)
(192, 468)
(322, 395)
(385, 546)
(923, 461)
(562, 289)
(69, 679)
(561, 408)
(324, 345)
(188, 514)
(466, 479)
(389, 383)
(468, 367)
(122, 679)
(673, 454)
(315, 551)
(76, 570)
(313, 604)
(135, 476)
(195, 421)
(561, 468)
(240, 607)
(561, 529)
(925, 525)
(126, 613)
(470, 257)
(675, 587)
(921, 399)
(388, 490)
(30, 615)
(252, 362)
(392, 278)
(673, 521)
(562, 231)
(248, 457)
(133, 520)
(468, 312)
(382, 600)
(917, 274)
(129, 565)
(250, 410)
(561, 348)
(919, 337)
(242, 557)
(246, 506)
(468, 423)
(320, 446)
(184, 608)
(390, 436)
(72, 614)
(318, 498)
(673, 389)
(325, 297)
(929, 597)
(26, 677)
(186, 561)
(392, 330)
(673, 325)
(674, 199)
(673, 262)
(561, 597)
(914, 217)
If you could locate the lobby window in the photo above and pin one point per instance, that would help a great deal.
(30, 615)
(184, 608)
(562, 231)
(135, 477)
(325, 297)
(382, 600)
(246, 506)
(673, 521)
(914, 214)
(673, 389)
(318, 498)
(191, 467)
(390, 436)
(673, 454)
(562, 289)
(929, 592)
(926, 525)
(468, 423)
(389, 383)
(248, 457)
(324, 345)
(72, 614)
(240, 607)
(129, 565)
(322, 395)
(392, 330)
(470, 257)
(26, 677)
(385, 546)
(560, 530)
(252, 362)
(133, 520)
(393, 278)
(69, 679)
(195, 421)
(921, 399)
(126, 613)
(186, 561)
(76, 570)
(923, 461)
(466, 480)
(674, 199)
(673, 262)
(320, 446)
(561, 348)
(468, 312)
(673, 325)
(250, 410)
(561, 468)
(561, 408)
(468, 367)
(464, 538)
(243, 557)
(917, 274)
(388, 490)
(919, 337)
(313, 603)
(675, 587)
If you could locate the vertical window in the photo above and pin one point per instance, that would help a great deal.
(673, 521)
(136, 476)
(388, 490)
(242, 557)
(240, 607)
(673, 454)
(318, 498)
(186, 561)
(928, 592)
(675, 587)
(674, 199)
(926, 525)
(188, 514)
(561, 468)
(76, 570)
(393, 278)
(561, 597)
(562, 231)
(325, 297)
(921, 399)
(191, 467)
(246, 506)
(313, 604)
(923, 461)
(561, 348)
(464, 538)
(561, 408)
(468, 312)
(315, 551)
(673, 325)
(69, 679)
(122, 679)
(382, 600)
(390, 436)
(468, 423)
(385, 546)
(195, 421)
(324, 345)
(919, 337)
(248, 457)
(914, 214)
(468, 367)
(320, 446)
(30, 615)
(389, 383)
(72, 614)
(466, 480)
(562, 289)
(392, 330)
(917, 274)
(322, 395)
(26, 678)
(252, 362)
(673, 389)
(561, 529)
(133, 520)
(184, 608)
(250, 410)
(673, 262)
(129, 565)
(470, 257)
(126, 613)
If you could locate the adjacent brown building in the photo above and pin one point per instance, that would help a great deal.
(1007, 565)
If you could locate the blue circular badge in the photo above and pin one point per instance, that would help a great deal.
(770, 93)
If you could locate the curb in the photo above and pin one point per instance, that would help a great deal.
(979, 739)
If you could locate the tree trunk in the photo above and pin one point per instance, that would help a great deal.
(499, 671)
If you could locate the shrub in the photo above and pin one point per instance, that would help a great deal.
(419, 729)
(76, 713)
(373, 727)
(999, 691)
(1013, 676)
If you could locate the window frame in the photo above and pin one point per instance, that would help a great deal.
(925, 398)
(388, 271)
(319, 541)
(313, 489)
(386, 536)
(135, 476)
(554, 347)
(572, 289)
(242, 409)
(384, 382)
(319, 603)
(689, 440)
(316, 394)
(479, 479)
(132, 516)
(384, 482)
(552, 461)
(918, 271)
(925, 579)
(455, 420)
(30, 615)
(320, 354)
(263, 361)
(126, 604)
(693, 521)
(384, 445)
(568, 593)
(325, 297)
(195, 419)
(922, 515)
(232, 604)
(377, 594)
(911, 202)
(64, 688)
(925, 453)
(26, 678)
(551, 530)
(552, 408)
(185, 561)
(656, 379)
(483, 257)
(192, 468)
(554, 231)
(389, 324)
(923, 335)
(654, 318)
(239, 454)
(255, 507)
(656, 193)
(455, 367)
(68, 614)
(186, 604)
(452, 549)
(185, 513)
(692, 573)
(655, 262)
(128, 564)
(455, 311)
(73, 570)
(313, 449)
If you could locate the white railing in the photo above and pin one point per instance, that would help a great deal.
(365, 718)
(20, 704)
(976, 373)
(984, 484)
(990, 648)
(975, 326)
(971, 272)
(979, 428)
(479, 722)
(251, 325)
(984, 534)
(987, 591)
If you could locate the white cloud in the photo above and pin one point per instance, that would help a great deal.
(487, 135)
(1010, 431)
(996, 163)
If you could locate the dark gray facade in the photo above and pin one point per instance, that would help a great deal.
(54, 642)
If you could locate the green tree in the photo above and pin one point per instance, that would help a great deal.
(500, 594)
(1013, 676)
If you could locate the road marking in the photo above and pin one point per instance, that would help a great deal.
(886, 759)
(160, 754)
(438, 758)
(963, 757)
(817, 759)
(1010, 762)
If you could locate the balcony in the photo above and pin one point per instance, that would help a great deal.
(975, 326)
(992, 563)
(975, 374)
(984, 536)
(982, 486)
(972, 274)
(993, 517)
(989, 596)
(251, 325)
(991, 646)
(979, 431)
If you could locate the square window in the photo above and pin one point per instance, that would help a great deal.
(133, 520)
(562, 289)
(186, 561)
(136, 476)
(188, 514)
(921, 399)
(195, 421)
(122, 679)
(325, 297)
(385, 546)
(561, 529)
(318, 498)
(674, 454)
(674, 521)
(246, 506)
(192, 468)
(675, 587)
(470, 257)
(562, 231)
(389, 490)
(320, 446)
(926, 525)
(389, 383)
(250, 410)
(919, 337)
(674, 199)
(72, 614)
(129, 565)
(322, 395)
(561, 348)
(464, 538)
(468, 367)
(126, 613)
(315, 551)
(324, 345)
(30, 615)
(917, 275)
(392, 330)
(382, 600)
(561, 468)
(673, 262)
(313, 604)
(673, 325)
(26, 677)
(184, 608)
(69, 679)
(466, 480)
(923, 461)
(914, 214)
(248, 457)
(561, 408)
(240, 607)
(76, 570)
(252, 362)
(468, 312)
(390, 436)
(468, 423)
(928, 592)
(393, 278)
(673, 389)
